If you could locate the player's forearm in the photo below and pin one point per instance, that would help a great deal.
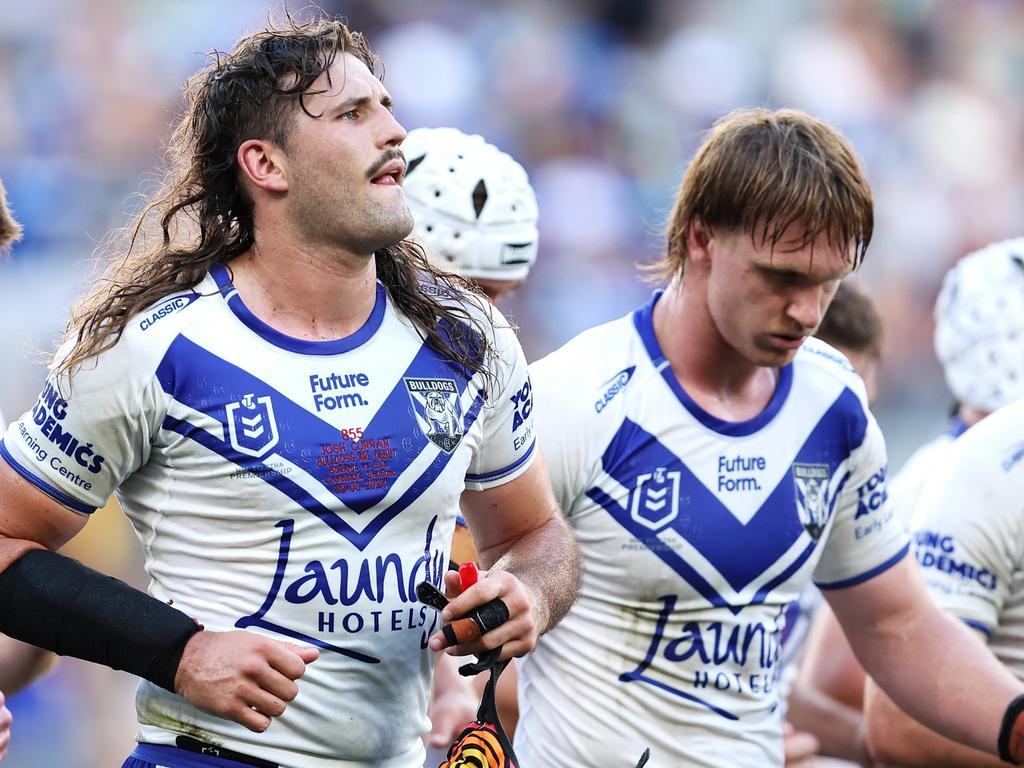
(20, 664)
(547, 560)
(53, 602)
(898, 741)
(946, 677)
(838, 728)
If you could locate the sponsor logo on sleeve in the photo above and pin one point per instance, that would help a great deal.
(48, 415)
(938, 551)
(522, 401)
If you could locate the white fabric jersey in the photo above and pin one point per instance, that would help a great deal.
(905, 486)
(970, 537)
(298, 489)
(696, 534)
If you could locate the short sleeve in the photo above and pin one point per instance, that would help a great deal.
(969, 538)
(565, 429)
(508, 440)
(866, 538)
(85, 436)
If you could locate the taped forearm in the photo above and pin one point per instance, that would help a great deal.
(56, 603)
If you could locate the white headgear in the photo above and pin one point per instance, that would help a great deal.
(979, 326)
(475, 211)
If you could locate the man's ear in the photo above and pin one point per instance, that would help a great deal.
(698, 241)
(263, 165)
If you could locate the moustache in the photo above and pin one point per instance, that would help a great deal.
(387, 157)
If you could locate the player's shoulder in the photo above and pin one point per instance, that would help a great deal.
(466, 307)
(165, 317)
(828, 368)
(996, 442)
(145, 337)
(607, 353)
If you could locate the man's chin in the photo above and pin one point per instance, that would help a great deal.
(393, 230)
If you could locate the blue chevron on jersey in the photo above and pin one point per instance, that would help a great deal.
(291, 487)
(696, 534)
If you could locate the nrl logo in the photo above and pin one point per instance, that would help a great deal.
(812, 501)
(252, 429)
(656, 498)
(437, 408)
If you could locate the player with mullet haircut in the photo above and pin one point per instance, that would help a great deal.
(714, 459)
(259, 377)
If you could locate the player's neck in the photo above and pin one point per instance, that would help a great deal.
(304, 292)
(721, 380)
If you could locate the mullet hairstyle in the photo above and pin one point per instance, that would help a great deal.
(201, 214)
(761, 171)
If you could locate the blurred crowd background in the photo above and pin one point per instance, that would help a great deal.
(603, 101)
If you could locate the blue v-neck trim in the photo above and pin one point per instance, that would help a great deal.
(643, 320)
(303, 346)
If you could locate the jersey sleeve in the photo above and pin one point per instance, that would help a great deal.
(508, 441)
(866, 538)
(564, 428)
(85, 436)
(969, 536)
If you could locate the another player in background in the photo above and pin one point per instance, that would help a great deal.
(254, 382)
(19, 663)
(714, 460)
(967, 490)
(970, 545)
(474, 210)
(979, 341)
(475, 214)
(816, 656)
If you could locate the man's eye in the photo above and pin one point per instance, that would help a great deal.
(352, 114)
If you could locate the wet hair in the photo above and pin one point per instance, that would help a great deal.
(760, 171)
(202, 214)
(852, 321)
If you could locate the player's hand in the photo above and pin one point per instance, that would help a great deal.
(800, 747)
(241, 676)
(518, 635)
(5, 727)
(453, 704)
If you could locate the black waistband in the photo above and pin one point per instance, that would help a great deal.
(201, 747)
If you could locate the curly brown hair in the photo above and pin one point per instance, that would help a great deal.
(202, 215)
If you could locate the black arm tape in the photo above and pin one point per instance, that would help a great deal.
(1011, 733)
(56, 603)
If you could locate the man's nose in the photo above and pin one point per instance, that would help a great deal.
(807, 308)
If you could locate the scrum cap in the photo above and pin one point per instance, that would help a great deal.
(475, 211)
(979, 326)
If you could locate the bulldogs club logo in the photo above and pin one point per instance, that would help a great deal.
(812, 498)
(437, 408)
(252, 429)
(655, 501)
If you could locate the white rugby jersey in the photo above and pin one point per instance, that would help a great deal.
(696, 534)
(905, 485)
(970, 532)
(294, 488)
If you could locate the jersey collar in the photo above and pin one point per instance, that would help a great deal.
(643, 320)
(222, 278)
